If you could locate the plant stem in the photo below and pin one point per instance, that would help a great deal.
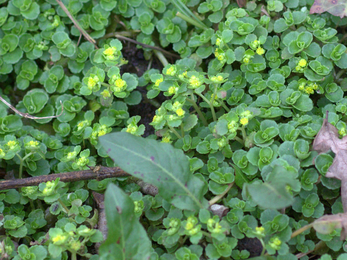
(197, 109)
(209, 104)
(21, 163)
(73, 256)
(340, 73)
(300, 230)
(175, 132)
(220, 196)
(182, 130)
(64, 206)
(224, 106)
(239, 140)
(189, 20)
(161, 57)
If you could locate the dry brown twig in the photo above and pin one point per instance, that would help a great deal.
(26, 115)
(76, 23)
(98, 173)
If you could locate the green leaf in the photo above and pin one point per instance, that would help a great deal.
(273, 193)
(157, 163)
(126, 236)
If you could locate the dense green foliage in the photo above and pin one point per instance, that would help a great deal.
(242, 105)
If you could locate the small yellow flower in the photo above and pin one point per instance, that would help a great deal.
(166, 139)
(2, 153)
(75, 245)
(33, 143)
(171, 71)
(81, 124)
(92, 81)
(103, 130)
(71, 155)
(131, 129)
(260, 51)
(246, 60)
(180, 112)
(244, 121)
(110, 51)
(342, 131)
(260, 229)
(120, 83)
(172, 90)
(158, 81)
(58, 238)
(309, 90)
(11, 144)
(302, 87)
(298, 68)
(189, 226)
(105, 94)
(232, 126)
(302, 63)
(218, 41)
(195, 82)
(314, 86)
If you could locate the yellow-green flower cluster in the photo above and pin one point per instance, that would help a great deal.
(170, 71)
(12, 144)
(275, 243)
(49, 188)
(110, 53)
(342, 131)
(195, 82)
(105, 93)
(255, 45)
(131, 129)
(177, 108)
(213, 226)
(172, 90)
(245, 116)
(302, 64)
(138, 206)
(308, 87)
(219, 54)
(82, 161)
(166, 138)
(119, 85)
(158, 81)
(2, 153)
(93, 80)
(31, 144)
(218, 41)
(246, 58)
(233, 126)
(217, 79)
(259, 232)
(71, 156)
(191, 227)
(59, 239)
(174, 226)
(27, 191)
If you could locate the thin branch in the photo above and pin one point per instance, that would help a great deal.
(109, 35)
(76, 23)
(26, 115)
(99, 173)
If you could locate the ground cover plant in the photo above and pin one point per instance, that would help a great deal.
(222, 125)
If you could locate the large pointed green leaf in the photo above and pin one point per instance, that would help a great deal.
(159, 164)
(273, 194)
(126, 238)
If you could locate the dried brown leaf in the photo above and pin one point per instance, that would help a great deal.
(328, 139)
(328, 223)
